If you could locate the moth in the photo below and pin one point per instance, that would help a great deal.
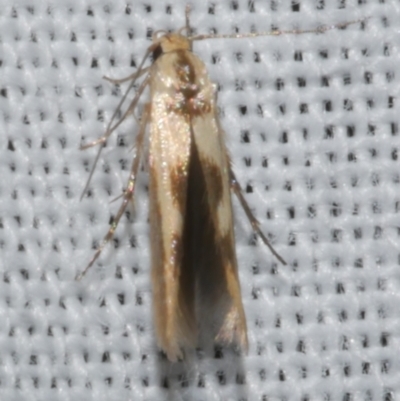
(194, 266)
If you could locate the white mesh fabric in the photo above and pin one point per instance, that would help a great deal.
(312, 123)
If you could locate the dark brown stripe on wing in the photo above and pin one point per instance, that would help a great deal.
(211, 254)
(178, 176)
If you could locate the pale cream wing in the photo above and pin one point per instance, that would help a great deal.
(169, 152)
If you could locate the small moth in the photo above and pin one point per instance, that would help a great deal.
(194, 265)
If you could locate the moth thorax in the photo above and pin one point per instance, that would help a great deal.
(173, 41)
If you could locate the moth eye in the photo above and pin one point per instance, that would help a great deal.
(157, 53)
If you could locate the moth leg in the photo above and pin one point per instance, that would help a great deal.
(253, 221)
(128, 193)
(110, 129)
(137, 74)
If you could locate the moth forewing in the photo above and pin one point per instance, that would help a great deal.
(169, 157)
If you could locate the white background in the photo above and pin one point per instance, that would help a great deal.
(316, 150)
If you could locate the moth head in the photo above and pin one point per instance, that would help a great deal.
(168, 42)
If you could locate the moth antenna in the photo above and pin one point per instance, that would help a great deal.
(320, 29)
(188, 9)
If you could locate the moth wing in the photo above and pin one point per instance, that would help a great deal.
(169, 154)
(214, 247)
(192, 233)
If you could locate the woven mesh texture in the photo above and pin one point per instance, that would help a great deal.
(312, 123)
